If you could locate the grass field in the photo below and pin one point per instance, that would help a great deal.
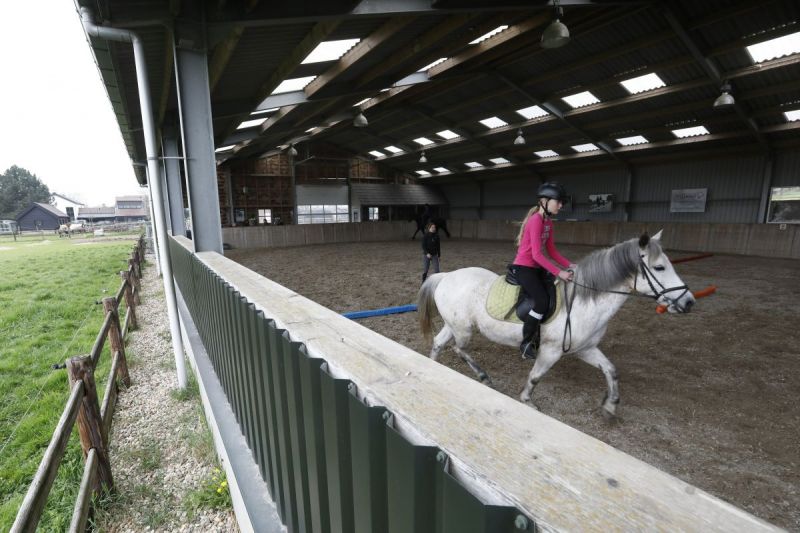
(48, 290)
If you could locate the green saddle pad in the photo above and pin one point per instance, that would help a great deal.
(503, 296)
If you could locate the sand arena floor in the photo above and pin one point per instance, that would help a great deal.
(710, 397)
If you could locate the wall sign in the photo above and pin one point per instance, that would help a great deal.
(688, 201)
(601, 203)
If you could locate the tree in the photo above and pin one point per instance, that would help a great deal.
(18, 189)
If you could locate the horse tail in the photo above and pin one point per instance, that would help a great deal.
(426, 306)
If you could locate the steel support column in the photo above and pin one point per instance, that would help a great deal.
(194, 104)
(173, 177)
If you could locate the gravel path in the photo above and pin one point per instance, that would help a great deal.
(162, 457)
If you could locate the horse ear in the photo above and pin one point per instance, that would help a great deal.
(657, 236)
(643, 240)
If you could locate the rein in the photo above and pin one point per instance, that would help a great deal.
(652, 281)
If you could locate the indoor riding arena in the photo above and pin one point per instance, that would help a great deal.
(708, 396)
(300, 153)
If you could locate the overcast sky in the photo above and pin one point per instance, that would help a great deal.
(55, 118)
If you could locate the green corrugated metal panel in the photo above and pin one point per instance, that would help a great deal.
(233, 349)
(259, 404)
(458, 511)
(287, 489)
(248, 311)
(336, 430)
(368, 452)
(248, 429)
(266, 331)
(297, 438)
(310, 369)
(411, 473)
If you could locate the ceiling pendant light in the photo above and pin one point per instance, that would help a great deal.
(360, 121)
(556, 34)
(422, 158)
(292, 151)
(520, 139)
(725, 99)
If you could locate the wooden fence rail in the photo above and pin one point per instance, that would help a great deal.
(94, 421)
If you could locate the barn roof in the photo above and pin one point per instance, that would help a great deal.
(695, 48)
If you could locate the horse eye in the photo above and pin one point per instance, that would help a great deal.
(659, 268)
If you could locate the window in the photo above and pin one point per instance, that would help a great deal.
(693, 131)
(122, 204)
(774, 48)
(374, 213)
(784, 205)
(322, 214)
(265, 216)
(643, 83)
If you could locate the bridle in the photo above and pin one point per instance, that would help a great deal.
(652, 281)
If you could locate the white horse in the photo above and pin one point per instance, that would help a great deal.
(603, 281)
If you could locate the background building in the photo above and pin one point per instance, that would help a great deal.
(66, 205)
(41, 216)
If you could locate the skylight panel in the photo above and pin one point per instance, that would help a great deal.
(293, 84)
(423, 172)
(493, 122)
(500, 161)
(423, 141)
(250, 123)
(263, 111)
(694, 131)
(532, 112)
(447, 134)
(774, 48)
(473, 164)
(441, 169)
(546, 153)
(393, 149)
(330, 50)
(309, 130)
(490, 34)
(426, 67)
(644, 83)
(224, 148)
(377, 153)
(581, 99)
(793, 115)
(362, 101)
(588, 147)
(628, 141)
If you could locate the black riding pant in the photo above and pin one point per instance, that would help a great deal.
(534, 283)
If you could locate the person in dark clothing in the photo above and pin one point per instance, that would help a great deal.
(430, 251)
(532, 268)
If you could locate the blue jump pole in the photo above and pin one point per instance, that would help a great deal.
(379, 312)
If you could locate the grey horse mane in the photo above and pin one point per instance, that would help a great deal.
(606, 269)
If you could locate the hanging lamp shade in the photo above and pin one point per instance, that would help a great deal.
(292, 151)
(422, 158)
(724, 99)
(555, 35)
(520, 139)
(360, 121)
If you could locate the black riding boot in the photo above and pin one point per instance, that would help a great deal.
(424, 277)
(530, 338)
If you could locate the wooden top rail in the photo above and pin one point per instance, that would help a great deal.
(31, 509)
(100, 341)
(563, 479)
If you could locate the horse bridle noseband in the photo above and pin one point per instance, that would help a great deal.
(652, 281)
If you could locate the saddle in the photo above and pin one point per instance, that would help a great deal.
(508, 303)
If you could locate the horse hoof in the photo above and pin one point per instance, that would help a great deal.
(486, 380)
(610, 414)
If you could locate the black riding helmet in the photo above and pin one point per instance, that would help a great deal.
(552, 190)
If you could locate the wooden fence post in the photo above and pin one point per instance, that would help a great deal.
(110, 306)
(135, 279)
(90, 425)
(126, 277)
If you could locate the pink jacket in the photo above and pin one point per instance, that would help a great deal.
(538, 233)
